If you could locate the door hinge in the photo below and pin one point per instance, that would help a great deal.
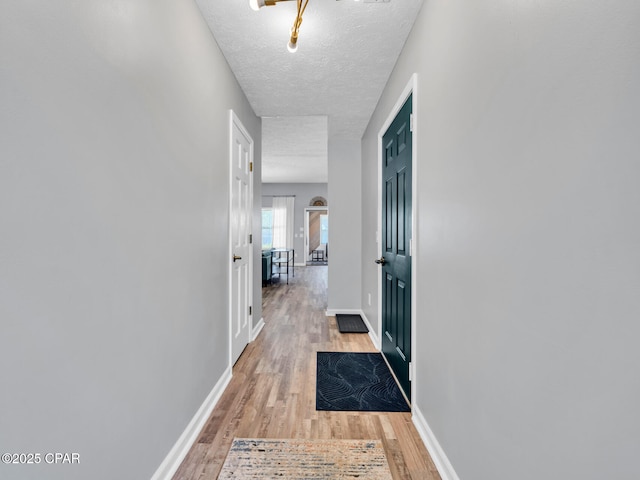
(250, 310)
(251, 166)
(410, 372)
(411, 122)
(251, 238)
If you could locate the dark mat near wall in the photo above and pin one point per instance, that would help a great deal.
(356, 382)
(351, 323)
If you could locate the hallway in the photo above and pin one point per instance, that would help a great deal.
(272, 392)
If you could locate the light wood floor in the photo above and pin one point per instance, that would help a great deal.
(272, 392)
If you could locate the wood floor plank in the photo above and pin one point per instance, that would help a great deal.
(272, 392)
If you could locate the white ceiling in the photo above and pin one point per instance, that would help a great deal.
(346, 52)
(307, 162)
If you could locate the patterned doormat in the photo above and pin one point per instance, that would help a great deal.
(357, 382)
(251, 458)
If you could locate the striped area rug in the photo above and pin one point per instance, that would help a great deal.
(251, 458)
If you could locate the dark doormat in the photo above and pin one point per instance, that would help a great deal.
(351, 323)
(356, 382)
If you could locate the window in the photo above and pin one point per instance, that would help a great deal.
(324, 229)
(267, 228)
(283, 221)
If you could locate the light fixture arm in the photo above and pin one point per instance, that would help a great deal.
(258, 4)
(295, 30)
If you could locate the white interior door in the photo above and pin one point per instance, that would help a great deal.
(241, 249)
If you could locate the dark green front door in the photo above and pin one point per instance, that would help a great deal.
(396, 237)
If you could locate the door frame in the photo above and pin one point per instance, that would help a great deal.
(234, 120)
(307, 210)
(411, 88)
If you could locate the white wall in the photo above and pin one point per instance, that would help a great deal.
(369, 225)
(113, 197)
(528, 234)
(304, 193)
(344, 224)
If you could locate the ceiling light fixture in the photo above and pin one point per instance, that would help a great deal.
(292, 46)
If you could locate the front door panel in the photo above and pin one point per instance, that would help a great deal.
(396, 237)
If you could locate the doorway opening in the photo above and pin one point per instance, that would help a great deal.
(316, 235)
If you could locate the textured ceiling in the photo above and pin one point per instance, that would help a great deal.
(307, 163)
(346, 51)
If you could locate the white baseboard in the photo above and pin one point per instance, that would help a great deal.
(257, 329)
(445, 469)
(372, 334)
(176, 455)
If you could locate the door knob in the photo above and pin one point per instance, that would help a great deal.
(236, 257)
(381, 261)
